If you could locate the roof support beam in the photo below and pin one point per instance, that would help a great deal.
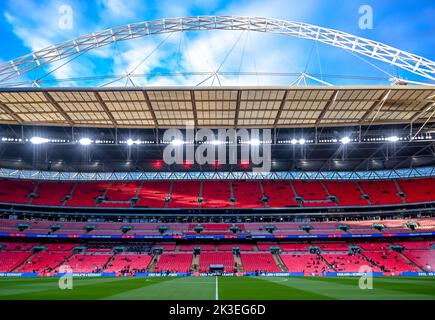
(10, 113)
(58, 108)
(379, 104)
(195, 115)
(328, 105)
(419, 113)
(106, 109)
(239, 97)
(150, 108)
(281, 107)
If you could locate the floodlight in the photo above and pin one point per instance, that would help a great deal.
(393, 139)
(345, 140)
(177, 142)
(38, 140)
(255, 142)
(85, 141)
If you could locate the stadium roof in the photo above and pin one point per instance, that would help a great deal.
(262, 107)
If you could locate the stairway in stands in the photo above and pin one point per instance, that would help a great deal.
(153, 263)
(24, 262)
(411, 262)
(195, 263)
(279, 262)
(238, 261)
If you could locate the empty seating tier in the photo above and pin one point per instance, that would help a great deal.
(247, 194)
(9, 260)
(279, 194)
(174, 262)
(185, 194)
(153, 194)
(129, 263)
(52, 193)
(216, 258)
(259, 261)
(89, 263)
(85, 194)
(216, 194)
(304, 262)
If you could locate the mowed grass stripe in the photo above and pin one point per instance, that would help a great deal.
(383, 288)
(43, 284)
(184, 288)
(258, 288)
(83, 289)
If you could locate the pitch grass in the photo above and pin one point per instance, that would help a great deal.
(229, 288)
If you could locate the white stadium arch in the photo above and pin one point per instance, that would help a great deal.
(372, 49)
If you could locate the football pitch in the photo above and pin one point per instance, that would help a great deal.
(218, 288)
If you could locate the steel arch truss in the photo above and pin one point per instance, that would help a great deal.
(375, 50)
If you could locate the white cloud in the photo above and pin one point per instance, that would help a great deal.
(201, 51)
(115, 10)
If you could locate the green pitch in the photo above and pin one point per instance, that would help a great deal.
(222, 288)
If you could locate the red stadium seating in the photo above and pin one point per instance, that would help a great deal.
(294, 246)
(313, 193)
(167, 246)
(16, 191)
(153, 194)
(310, 190)
(216, 194)
(248, 194)
(44, 261)
(281, 228)
(418, 190)
(174, 262)
(348, 262)
(347, 193)
(185, 194)
(129, 263)
(381, 192)
(230, 246)
(259, 261)
(9, 260)
(425, 259)
(208, 258)
(88, 262)
(391, 261)
(280, 194)
(86, 193)
(307, 263)
(52, 193)
(191, 246)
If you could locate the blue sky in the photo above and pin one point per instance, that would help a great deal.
(29, 25)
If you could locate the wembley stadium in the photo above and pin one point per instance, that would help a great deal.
(214, 190)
